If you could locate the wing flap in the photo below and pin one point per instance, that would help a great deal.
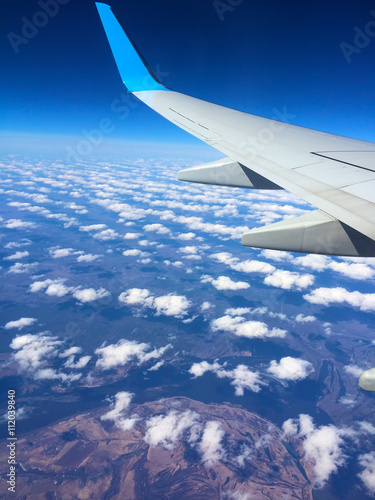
(315, 232)
(225, 172)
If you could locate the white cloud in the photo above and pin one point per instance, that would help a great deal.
(242, 328)
(172, 305)
(32, 351)
(90, 294)
(291, 368)
(132, 236)
(356, 271)
(77, 365)
(225, 283)
(241, 377)
(367, 476)
(93, 227)
(158, 228)
(19, 268)
(169, 305)
(134, 252)
(51, 287)
(118, 412)
(288, 280)
(300, 318)
(277, 255)
(17, 256)
(19, 224)
(239, 311)
(322, 445)
(70, 352)
(17, 244)
(205, 306)
(328, 296)
(88, 257)
(168, 430)
(57, 253)
(126, 351)
(186, 236)
(20, 323)
(106, 235)
(354, 370)
(313, 261)
(210, 444)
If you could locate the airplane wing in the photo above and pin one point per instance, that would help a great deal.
(333, 173)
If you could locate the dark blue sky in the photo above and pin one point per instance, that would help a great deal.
(256, 56)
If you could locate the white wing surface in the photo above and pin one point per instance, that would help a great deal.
(333, 173)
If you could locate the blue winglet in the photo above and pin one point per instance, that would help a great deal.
(134, 71)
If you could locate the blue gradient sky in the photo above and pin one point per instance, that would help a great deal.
(258, 56)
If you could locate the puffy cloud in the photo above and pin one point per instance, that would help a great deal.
(186, 236)
(32, 351)
(17, 256)
(17, 244)
(124, 352)
(134, 252)
(77, 365)
(168, 430)
(242, 328)
(88, 257)
(19, 268)
(313, 261)
(291, 368)
(246, 266)
(356, 271)
(300, 318)
(367, 427)
(354, 370)
(93, 227)
(225, 283)
(20, 323)
(19, 224)
(90, 294)
(132, 236)
(57, 253)
(168, 305)
(210, 444)
(136, 297)
(277, 255)
(241, 377)
(158, 228)
(57, 289)
(322, 445)
(118, 412)
(328, 296)
(171, 305)
(288, 280)
(51, 374)
(106, 235)
(239, 311)
(70, 352)
(205, 306)
(367, 476)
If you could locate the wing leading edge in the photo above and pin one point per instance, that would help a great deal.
(333, 173)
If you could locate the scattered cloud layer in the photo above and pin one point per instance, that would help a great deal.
(126, 351)
(328, 296)
(167, 305)
(289, 368)
(242, 328)
(241, 377)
